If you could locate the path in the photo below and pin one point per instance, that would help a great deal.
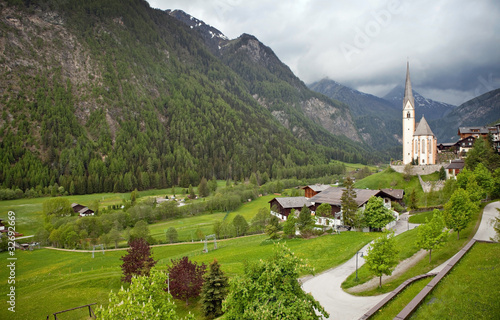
(326, 287)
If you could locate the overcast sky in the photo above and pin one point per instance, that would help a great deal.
(453, 45)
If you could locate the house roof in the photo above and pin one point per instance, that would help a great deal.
(332, 196)
(292, 202)
(448, 144)
(394, 193)
(456, 164)
(472, 130)
(423, 128)
(318, 187)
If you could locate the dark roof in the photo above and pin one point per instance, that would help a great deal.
(465, 130)
(447, 144)
(394, 193)
(456, 164)
(292, 202)
(318, 187)
(332, 196)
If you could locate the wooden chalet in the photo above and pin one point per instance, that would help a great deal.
(333, 195)
(448, 147)
(466, 144)
(282, 207)
(312, 190)
(82, 211)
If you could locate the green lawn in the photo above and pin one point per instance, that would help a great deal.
(394, 307)
(421, 216)
(407, 241)
(470, 290)
(48, 281)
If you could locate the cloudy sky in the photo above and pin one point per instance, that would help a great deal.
(453, 45)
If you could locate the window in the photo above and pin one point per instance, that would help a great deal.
(408, 114)
(423, 146)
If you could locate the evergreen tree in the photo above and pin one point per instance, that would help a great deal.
(348, 202)
(289, 226)
(214, 291)
(203, 189)
(305, 220)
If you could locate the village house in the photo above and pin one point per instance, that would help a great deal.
(454, 168)
(312, 190)
(282, 207)
(82, 210)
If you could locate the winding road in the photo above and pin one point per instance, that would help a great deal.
(326, 287)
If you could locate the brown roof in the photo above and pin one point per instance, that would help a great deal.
(456, 164)
(332, 196)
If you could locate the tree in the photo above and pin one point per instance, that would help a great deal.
(376, 214)
(407, 171)
(186, 279)
(348, 202)
(146, 298)
(212, 185)
(114, 236)
(203, 188)
(290, 226)
(482, 152)
(324, 210)
(259, 221)
(269, 289)
(412, 199)
(442, 174)
(138, 260)
(214, 291)
(496, 227)
(432, 234)
(192, 195)
(171, 235)
(458, 211)
(141, 230)
(272, 231)
(133, 196)
(382, 256)
(240, 225)
(305, 220)
(484, 178)
(57, 207)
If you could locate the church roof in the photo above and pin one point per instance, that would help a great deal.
(408, 90)
(423, 128)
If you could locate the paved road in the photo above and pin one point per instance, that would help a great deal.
(326, 288)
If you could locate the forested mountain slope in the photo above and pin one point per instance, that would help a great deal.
(112, 95)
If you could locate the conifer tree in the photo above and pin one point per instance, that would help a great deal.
(214, 291)
(348, 202)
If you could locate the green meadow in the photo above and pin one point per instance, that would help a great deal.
(49, 280)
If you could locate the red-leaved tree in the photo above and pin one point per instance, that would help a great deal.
(186, 278)
(138, 260)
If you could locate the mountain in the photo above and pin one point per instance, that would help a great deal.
(114, 95)
(275, 87)
(423, 106)
(480, 111)
(375, 118)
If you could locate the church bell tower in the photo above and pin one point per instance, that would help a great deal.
(408, 119)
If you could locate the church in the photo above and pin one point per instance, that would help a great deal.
(419, 143)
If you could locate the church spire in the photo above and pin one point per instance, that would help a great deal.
(408, 91)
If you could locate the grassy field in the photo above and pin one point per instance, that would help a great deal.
(29, 211)
(394, 307)
(187, 227)
(470, 290)
(48, 280)
(439, 256)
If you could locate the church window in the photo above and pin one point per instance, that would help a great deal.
(408, 114)
(423, 146)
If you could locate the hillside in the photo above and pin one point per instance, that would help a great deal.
(109, 96)
(375, 118)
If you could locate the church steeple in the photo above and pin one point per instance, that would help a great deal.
(408, 91)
